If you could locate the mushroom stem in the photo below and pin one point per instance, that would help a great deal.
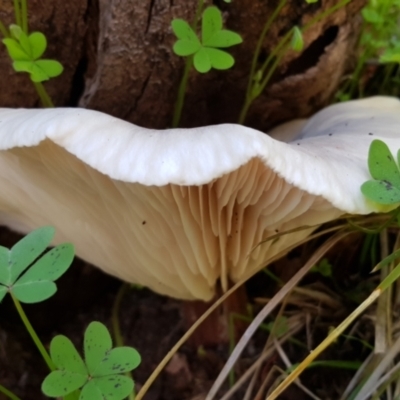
(215, 330)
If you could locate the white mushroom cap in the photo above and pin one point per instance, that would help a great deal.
(176, 210)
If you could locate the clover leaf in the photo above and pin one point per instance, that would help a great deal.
(372, 16)
(206, 53)
(37, 283)
(99, 376)
(385, 187)
(391, 53)
(25, 51)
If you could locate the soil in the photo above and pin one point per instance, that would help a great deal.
(153, 324)
(149, 322)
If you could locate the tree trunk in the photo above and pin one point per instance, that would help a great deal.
(118, 59)
(65, 25)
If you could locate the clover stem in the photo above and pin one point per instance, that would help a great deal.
(24, 16)
(9, 394)
(389, 71)
(260, 41)
(276, 54)
(32, 333)
(119, 340)
(257, 91)
(283, 45)
(355, 77)
(243, 112)
(17, 12)
(44, 97)
(199, 9)
(326, 13)
(4, 31)
(271, 71)
(188, 66)
(73, 396)
(181, 92)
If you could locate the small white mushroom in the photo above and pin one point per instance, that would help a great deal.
(176, 210)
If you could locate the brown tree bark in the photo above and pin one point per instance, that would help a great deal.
(118, 59)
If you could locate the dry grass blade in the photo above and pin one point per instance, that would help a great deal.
(182, 340)
(325, 343)
(212, 308)
(288, 364)
(268, 309)
(367, 221)
(357, 377)
(383, 334)
(383, 307)
(383, 327)
(373, 381)
(307, 239)
(269, 342)
(296, 323)
(392, 376)
(299, 294)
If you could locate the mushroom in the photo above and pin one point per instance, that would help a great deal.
(177, 210)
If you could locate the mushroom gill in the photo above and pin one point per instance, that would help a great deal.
(177, 240)
(179, 209)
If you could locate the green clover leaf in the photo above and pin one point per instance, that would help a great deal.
(372, 16)
(211, 23)
(207, 58)
(99, 376)
(40, 70)
(188, 42)
(71, 373)
(15, 50)
(25, 51)
(114, 387)
(206, 53)
(37, 283)
(385, 187)
(38, 44)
